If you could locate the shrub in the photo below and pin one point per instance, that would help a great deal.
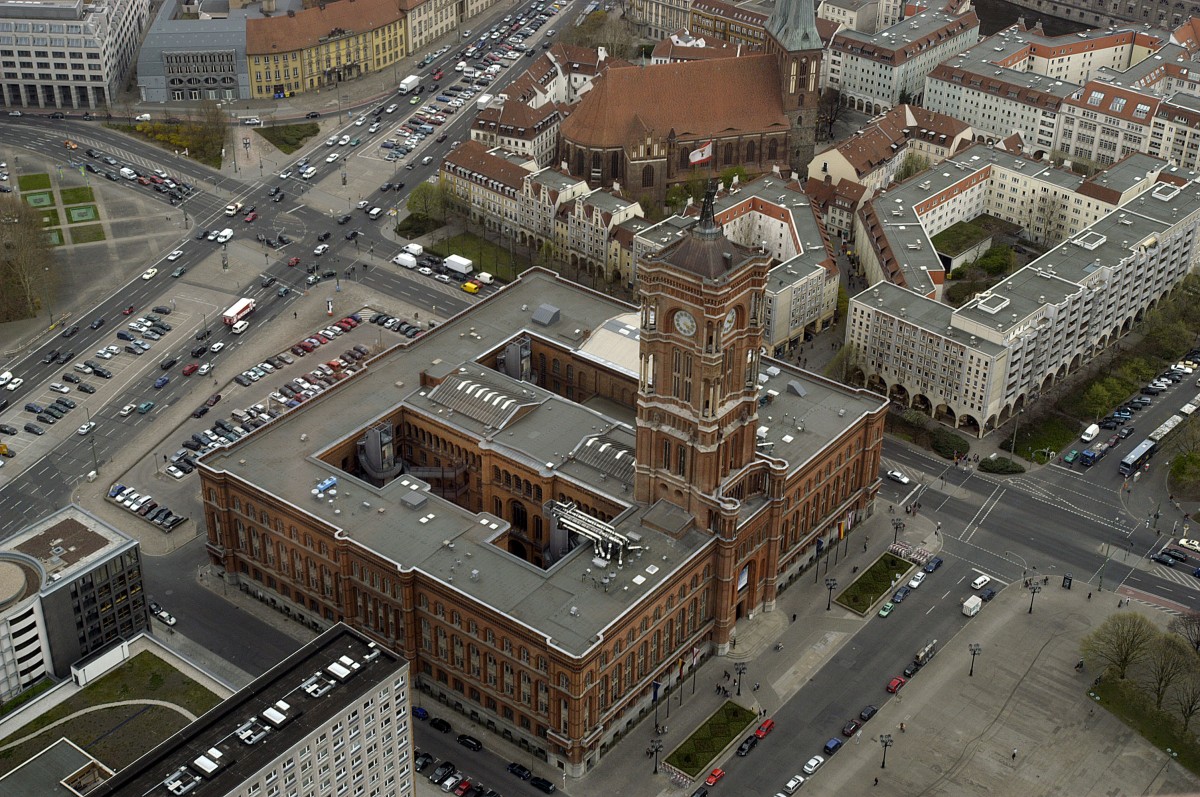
(948, 443)
(1000, 465)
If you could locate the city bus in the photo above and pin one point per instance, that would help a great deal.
(1138, 457)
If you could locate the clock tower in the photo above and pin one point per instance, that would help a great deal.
(702, 305)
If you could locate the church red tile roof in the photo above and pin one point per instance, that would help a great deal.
(721, 97)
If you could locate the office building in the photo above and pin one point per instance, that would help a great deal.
(70, 585)
(67, 54)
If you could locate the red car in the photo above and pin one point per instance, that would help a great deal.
(851, 727)
(896, 684)
(128, 310)
(295, 261)
(321, 338)
(437, 75)
(461, 789)
(212, 400)
(304, 344)
(251, 216)
(765, 728)
(714, 776)
(188, 370)
(350, 321)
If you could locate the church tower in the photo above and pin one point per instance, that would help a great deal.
(793, 39)
(702, 307)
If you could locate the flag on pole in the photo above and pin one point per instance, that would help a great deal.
(695, 655)
(702, 155)
(656, 686)
(681, 663)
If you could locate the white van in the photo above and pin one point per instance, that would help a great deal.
(142, 117)
(972, 605)
(375, 213)
(981, 582)
(224, 235)
(1090, 433)
(240, 327)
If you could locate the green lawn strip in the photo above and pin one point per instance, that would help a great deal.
(118, 736)
(1050, 432)
(876, 581)
(1162, 729)
(289, 138)
(697, 752)
(77, 195)
(23, 698)
(81, 214)
(143, 676)
(87, 233)
(415, 226)
(483, 253)
(49, 217)
(33, 182)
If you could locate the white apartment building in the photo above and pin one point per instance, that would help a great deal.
(331, 719)
(860, 15)
(1103, 123)
(1175, 131)
(519, 128)
(67, 54)
(975, 367)
(429, 20)
(485, 183)
(875, 72)
(658, 19)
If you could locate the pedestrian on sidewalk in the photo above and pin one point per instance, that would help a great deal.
(1014, 754)
(793, 618)
(1089, 596)
(876, 781)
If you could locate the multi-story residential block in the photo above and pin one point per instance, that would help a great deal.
(1175, 132)
(837, 203)
(1017, 81)
(183, 59)
(590, 224)
(426, 21)
(72, 586)
(876, 71)
(65, 54)
(976, 366)
(1103, 123)
(323, 45)
(739, 24)
(1099, 13)
(481, 512)
(657, 19)
(520, 128)
(486, 184)
(873, 155)
(544, 195)
(858, 15)
(332, 718)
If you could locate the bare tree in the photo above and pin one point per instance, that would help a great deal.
(26, 263)
(1188, 627)
(426, 201)
(1121, 641)
(1185, 696)
(602, 29)
(1168, 658)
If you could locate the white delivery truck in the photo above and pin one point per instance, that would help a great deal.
(409, 84)
(458, 264)
(233, 208)
(414, 249)
(972, 605)
(224, 235)
(405, 259)
(1089, 434)
(483, 101)
(142, 117)
(484, 278)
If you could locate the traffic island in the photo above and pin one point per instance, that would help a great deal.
(724, 727)
(878, 580)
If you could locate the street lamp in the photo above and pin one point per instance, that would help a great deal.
(897, 527)
(975, 648)
(831, 585)
(656, 746)
(885, 739)
(1016, 425)
(1034, 589)
(739, 669)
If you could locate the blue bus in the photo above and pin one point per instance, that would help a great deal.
(1138, 457)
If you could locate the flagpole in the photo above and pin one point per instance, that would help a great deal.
(693, 670)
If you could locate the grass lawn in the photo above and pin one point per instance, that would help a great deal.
(87, 233)
(416, 226)
(1163, 730)
(958, 238)
(33, 182)
(120, 734)
(77, 196)
(26, 696)
(483, 253)
(1051, 432)
(878, 580)
(50, 217)
(289, 138)
(697, 752)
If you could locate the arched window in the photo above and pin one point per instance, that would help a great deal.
(595, 161)
(684, 152)
(750, 152)
(773, 150)
(579, 163)
(614, 168)
(647, 176)
(728, 154)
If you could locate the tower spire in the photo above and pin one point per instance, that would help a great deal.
(707, 228)
(793, 23)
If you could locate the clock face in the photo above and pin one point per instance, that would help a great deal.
(685, 324)
(730, 320)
